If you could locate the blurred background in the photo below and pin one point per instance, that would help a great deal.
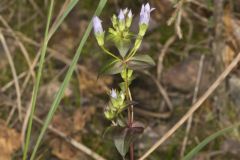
(200, 43)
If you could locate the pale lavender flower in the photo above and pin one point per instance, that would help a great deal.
(148, 8)
(113, 93)
(144, 19)
(97, 25)
(130, 15)
(121, 15)
(145, 14)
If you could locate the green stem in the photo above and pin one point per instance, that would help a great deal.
(134, 49)
(37, 82)
(109, 53)
(130, 111)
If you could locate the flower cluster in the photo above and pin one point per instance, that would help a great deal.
(116, 104)
(124, 63)
(121, 24)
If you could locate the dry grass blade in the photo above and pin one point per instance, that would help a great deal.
(161, 90)
(73, 142)
(9, 57)
(195, 95)
(198, 103)
(21, 46)
(169, 42)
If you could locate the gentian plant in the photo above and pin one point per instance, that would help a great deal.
(124, 63)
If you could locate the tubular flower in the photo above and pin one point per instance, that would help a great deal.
(145, 14)
(98, 30)
(97, 25)
(113, 93)
(121, 18)
(129, 18)
(144, 18)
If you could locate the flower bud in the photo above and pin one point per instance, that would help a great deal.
(113, 94)
(108, 113)
(117, 99)
(114, 21)
(98, 30)
(121, 18)
(125, 11)
(129, 19)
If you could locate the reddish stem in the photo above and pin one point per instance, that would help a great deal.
(131, 151)
(130, 115)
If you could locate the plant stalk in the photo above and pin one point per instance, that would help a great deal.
(37, 82)
(130, 112)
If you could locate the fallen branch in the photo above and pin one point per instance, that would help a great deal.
(198, 103)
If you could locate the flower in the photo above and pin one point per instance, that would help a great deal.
(97, 25)
(130, 15)
(98, 30)
(125, 11)
(144, 20)
(129, 18)
(121, 15)
(121, 18)
(113, 93)
(109, 113)
(145, 14)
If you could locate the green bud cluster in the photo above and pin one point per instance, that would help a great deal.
(120, 33)
(116, 104)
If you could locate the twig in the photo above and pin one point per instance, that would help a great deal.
(161, 90)
(195, 94)
(72, 141)
(148, 114)
(14, 73)
(58, 56)
(35, 6)
(68, 139)
(177, 17)
(162, 55)
(21, 46)
(178, 23)
(9, 84)
(210, 90)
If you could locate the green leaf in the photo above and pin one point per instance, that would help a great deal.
(200, 146)
(120, 141)
(123, 47)
(111, 131)
(66, 80)
(38, 80)
(111, 67)
(123, 139)
(140, 62)
(122, 44)
(126, 105)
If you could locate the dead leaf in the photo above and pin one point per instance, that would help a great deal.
(64, 151)
(183, 76)
(231, 146)
(227, 55)
(49, 90)
(9, 141)
(70, 124)
(81, 116)
(90, 85)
